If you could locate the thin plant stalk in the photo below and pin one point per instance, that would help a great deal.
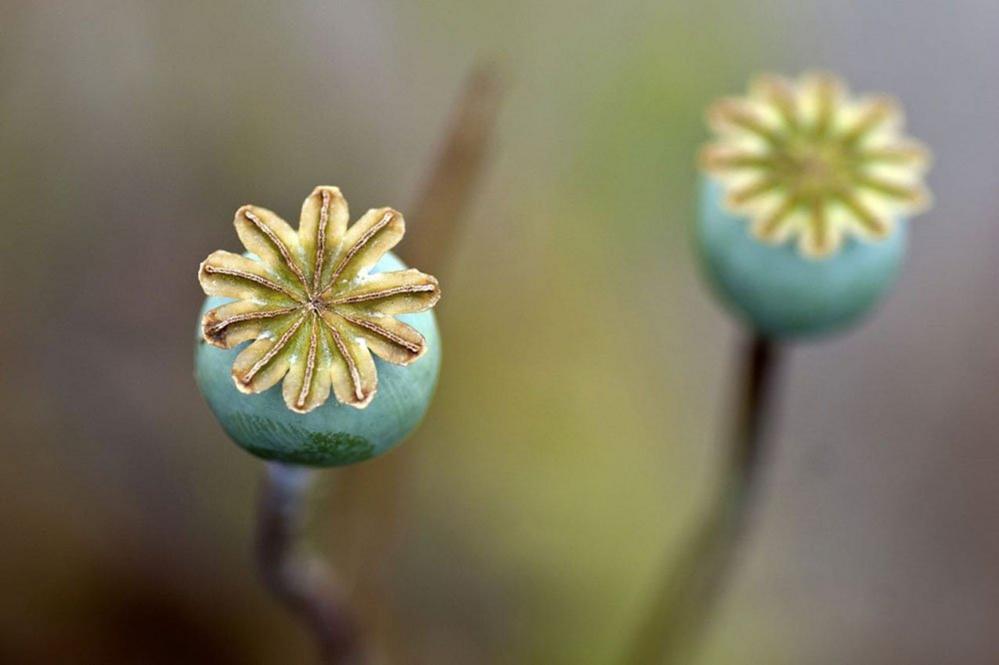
(374, 494)
(692, 584)
(296, 576)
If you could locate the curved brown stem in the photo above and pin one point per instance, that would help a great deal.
(437, 219)
(297, 577)
(692, 584)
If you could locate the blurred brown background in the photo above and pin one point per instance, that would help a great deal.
(575, 432)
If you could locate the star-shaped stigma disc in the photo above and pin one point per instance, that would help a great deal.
(804, 161)
(309, 304)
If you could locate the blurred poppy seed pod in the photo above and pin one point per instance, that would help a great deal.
(804, 204)
(317, 304)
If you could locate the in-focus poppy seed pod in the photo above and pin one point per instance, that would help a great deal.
(804, 204)
(301, 315)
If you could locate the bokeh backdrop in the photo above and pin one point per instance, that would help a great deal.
(587, 372)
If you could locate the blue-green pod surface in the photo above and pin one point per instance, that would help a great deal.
(780, 292)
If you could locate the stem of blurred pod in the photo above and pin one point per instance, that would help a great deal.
(691, 584)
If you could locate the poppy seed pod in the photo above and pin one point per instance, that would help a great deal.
(804, 204)
(316, 306)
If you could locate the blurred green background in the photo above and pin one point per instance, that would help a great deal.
(587, 372)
